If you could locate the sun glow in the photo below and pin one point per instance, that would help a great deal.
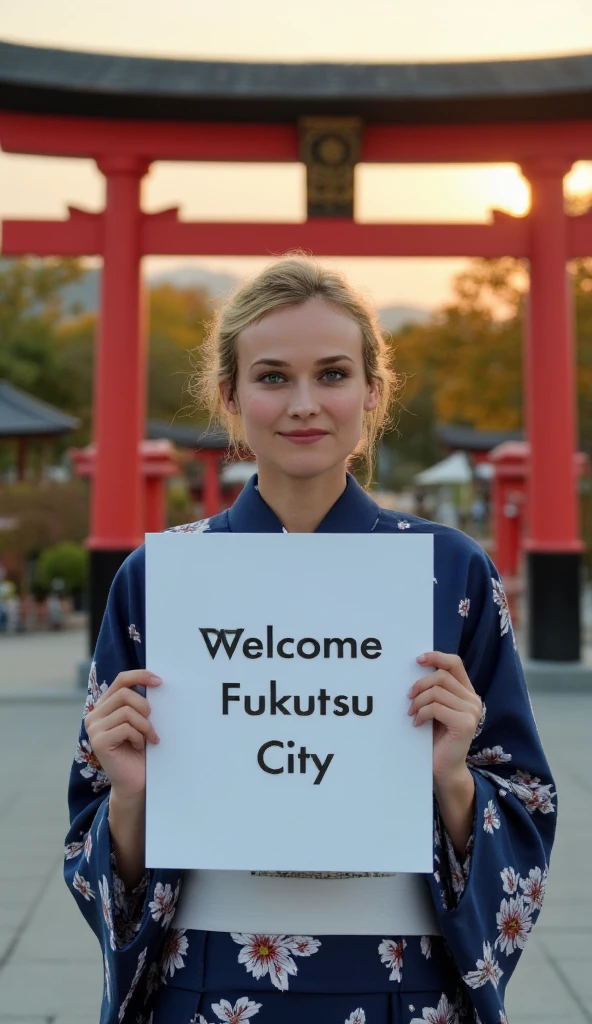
(578, 183)
(510, 191)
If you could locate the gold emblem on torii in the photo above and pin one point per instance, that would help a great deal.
(330, 147)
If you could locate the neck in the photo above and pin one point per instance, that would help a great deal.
(301, 504)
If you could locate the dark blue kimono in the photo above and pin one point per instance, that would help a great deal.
(486, 903)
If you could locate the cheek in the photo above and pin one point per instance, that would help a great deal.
(261, 408)
(345, 406)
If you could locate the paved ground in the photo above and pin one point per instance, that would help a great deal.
(36, 663)
(50, 971)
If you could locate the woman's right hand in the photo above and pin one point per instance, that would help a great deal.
(118, 728)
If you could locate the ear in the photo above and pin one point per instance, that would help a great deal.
(228, 398)
(372, 396)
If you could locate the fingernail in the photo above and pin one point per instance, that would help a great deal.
(409, 691)
(156, 680)
(422, 659)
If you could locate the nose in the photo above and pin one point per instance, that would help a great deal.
(303, 402)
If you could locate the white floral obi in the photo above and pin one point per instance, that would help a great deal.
(321, 903)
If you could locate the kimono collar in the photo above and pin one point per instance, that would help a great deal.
(353, 512)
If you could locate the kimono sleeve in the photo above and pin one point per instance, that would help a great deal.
(487, 913)
(131, 927)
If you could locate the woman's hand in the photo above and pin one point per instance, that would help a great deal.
(447, 697)
(118, 728)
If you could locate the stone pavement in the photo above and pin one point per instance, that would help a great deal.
(50, 968)
(32, 664)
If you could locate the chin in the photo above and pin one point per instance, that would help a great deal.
(305, 466)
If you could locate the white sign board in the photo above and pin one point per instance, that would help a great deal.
(285, 743)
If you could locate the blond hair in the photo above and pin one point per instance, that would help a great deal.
(291, 280)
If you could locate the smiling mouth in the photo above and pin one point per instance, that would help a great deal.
(305, 436)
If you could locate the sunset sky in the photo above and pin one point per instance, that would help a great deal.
(375, 30)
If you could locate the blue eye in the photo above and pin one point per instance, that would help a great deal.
(274, 377)
(264, 377)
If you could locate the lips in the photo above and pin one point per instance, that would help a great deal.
(305, 433)
(305, 436)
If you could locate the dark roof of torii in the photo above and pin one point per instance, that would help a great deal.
(21, 415)
(44, 80)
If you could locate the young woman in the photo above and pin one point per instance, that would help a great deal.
(297, 370)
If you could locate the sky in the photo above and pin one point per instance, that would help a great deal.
(338, 30)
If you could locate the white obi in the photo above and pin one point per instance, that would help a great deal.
(315, 904)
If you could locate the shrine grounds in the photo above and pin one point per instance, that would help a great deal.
(50, 966)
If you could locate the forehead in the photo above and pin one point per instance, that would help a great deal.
(309, 327)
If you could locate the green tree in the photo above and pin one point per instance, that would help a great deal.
(65, 561)
(176, 327)
(47, 348)
(31, 308)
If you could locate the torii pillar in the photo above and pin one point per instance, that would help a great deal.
(553, 545)
(116, 518)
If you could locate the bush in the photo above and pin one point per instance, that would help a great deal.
(66, 561)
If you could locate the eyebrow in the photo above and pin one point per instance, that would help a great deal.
(319, 362)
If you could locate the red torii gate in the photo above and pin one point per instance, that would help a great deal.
(123, 233)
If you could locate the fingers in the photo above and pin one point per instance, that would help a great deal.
(101, 730)
(450, 663)
(113, 699)
(449, 688)
(455, 722)
(120, 692)
(125, 733)
(440, 678)
(441, 695)
(134, 677)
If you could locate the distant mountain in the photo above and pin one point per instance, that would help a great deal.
(83, 295)
(217, 284)
(393, 318)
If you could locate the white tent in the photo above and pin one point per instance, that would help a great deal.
(455, 469)
(238, 472)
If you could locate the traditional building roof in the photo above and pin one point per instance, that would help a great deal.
(186, 435)
(44, 80)
(470, 440)
(21, 415)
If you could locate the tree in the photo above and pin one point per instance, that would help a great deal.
(178, 319)
(31, 308)
(47, 347)
(65, 561)
(469, 357)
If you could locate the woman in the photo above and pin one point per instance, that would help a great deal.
(297, 370)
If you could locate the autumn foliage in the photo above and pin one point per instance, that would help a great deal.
(465, 366)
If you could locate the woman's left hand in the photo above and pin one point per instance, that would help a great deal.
(446, 696)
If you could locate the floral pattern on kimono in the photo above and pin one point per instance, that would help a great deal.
(487, 899)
